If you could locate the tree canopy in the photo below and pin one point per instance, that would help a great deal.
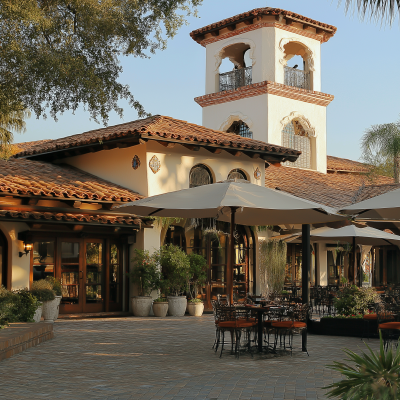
(56, 55)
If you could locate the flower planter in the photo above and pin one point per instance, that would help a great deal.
(177, 306)
(141, 305)
(38, 314)
(160, 308)
(49, 311)
(58, 298)
(196, 309)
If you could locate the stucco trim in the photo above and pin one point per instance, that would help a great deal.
(309, 53)
(218, 55)
(310, 130)
(236, 116)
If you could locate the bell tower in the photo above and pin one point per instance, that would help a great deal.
(252, 91)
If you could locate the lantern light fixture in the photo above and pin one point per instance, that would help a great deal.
(28, 247)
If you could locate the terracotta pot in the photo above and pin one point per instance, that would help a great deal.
(177, 306)
(38, 314)
(160, 309)
(141, 305)
(196, 309)
(58, 298)
(49, 311)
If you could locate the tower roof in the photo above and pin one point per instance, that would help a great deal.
(261, 17)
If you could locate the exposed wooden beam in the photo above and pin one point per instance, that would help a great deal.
(77, 204)
(231, 27)
(33, 202)
(235, 153)
(78, 227)
(215, 33)
(214, 150)
(191, 147)
(142, 141)
(121, 145)
(168, 145)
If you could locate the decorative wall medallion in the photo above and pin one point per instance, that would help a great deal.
(257, 173)
(135, 162)
(154, 164)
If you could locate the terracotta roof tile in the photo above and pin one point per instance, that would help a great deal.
(345, 165)
(157, 126)
(258, 12)
(333, 190)
(69, 217)
(18, 147)
(27, 177)
(375, 190)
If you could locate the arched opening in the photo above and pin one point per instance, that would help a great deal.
(296, 137)
(200, 175)
(298, 65)
(237, 174)
(3, 261)
(240, 128)
(236, 67)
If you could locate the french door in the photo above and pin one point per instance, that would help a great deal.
(82, 273)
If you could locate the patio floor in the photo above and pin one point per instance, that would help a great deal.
(171, 358)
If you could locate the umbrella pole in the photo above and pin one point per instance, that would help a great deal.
(355, 261)
(306, 264)
(231, 258)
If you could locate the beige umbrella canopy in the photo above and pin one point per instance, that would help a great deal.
(238, 202)
(385, 206)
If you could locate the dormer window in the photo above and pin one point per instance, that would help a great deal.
(240, 128)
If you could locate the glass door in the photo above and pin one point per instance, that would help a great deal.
(93, 274)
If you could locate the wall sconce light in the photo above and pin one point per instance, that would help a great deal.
(28, 247)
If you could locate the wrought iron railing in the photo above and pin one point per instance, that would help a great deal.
(297, 78)
(235, 79)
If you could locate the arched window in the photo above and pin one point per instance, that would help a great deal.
(237, 174)
(200, 175)
(295, 137)
(240, 128)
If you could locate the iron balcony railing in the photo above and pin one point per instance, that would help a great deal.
(297, 78)
(235, 79)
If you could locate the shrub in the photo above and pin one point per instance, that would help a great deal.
(175, 268)
(42, 284)
(197, 273)
(6, 300)
(56, 285)
(374, 375)
(352, 300)
(160, 300)
(146, 272)
(44, 294)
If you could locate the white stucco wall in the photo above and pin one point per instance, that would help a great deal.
(20, 265)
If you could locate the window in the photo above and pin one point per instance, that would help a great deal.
(240, 128)
(200, 175)
(237, 174)
(43, 259)
(295, 137)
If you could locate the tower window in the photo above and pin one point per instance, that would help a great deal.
(200, 175)
(295, 137)
(240, 128)
(237, 174)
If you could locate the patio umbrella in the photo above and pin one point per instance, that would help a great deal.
(356, 236)
(384, 206)
(238, 202)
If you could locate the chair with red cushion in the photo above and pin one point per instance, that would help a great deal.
(367, 318)
(387, 325)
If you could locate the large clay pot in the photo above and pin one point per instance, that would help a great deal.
(196, 309)
(141, 306)
(177, 306)
(49, 311)
(38, 314)
(58, 298)
(160, 308)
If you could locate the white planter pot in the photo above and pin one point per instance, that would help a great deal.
(58, 298)
(141, 306)
(177, 306)
(196, 309)
(38, 314)
(160, 309)
(49, 311)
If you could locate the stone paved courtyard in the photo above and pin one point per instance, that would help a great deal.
(171, 358)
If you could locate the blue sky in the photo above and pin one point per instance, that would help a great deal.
(360, 67)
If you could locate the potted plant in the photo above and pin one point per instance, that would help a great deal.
(44, 293)
(38, 313)
(56, 287)
(146, 276)
(175, 269)
(198, 277)
(160, 307)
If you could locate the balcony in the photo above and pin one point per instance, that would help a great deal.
(235, 79)
(297, 78)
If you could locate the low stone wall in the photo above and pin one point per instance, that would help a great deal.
(21, 336)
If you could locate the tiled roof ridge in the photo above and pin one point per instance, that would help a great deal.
(346, 164)
(258, 11)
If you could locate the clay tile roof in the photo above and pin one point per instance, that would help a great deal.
(259, 12)
(375, 190)
(27, 177)
(333, 190)
(69, 217)
(160, 127)
(336, 164)
(27, 145)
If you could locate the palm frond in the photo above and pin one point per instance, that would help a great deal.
(379, 10)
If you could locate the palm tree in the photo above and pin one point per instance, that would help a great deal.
(378, 9)
(382, 142)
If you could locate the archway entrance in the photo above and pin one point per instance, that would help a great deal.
(213, 245)
(3, 260)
